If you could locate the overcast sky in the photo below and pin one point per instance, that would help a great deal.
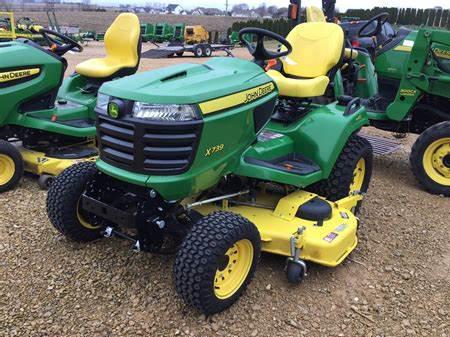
(341, 4)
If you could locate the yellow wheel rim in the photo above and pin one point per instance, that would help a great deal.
(234, 270)
(436, 161)
(82, 220)
(359, 175)
(7, 169)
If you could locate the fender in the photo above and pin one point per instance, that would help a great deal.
(320, 137)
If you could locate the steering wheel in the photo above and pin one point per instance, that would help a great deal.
(59, 43)
(380, 19)
(259, 52)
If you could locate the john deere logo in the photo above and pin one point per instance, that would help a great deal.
(18, 74)
(113, 110)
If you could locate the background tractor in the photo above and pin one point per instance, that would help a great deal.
(403, 80)
(46, 121)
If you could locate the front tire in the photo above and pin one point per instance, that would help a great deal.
(351, 173)
(11, 166)
(217, 261)
(63, 203)
(430, 159)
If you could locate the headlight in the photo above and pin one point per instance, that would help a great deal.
(164, 112)
(102, 101)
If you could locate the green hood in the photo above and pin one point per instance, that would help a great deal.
(188, 83)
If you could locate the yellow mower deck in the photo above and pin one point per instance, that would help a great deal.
(278, 225)
(41, 164)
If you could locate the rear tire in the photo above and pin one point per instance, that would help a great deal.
(217, 261)
(11, 166)
(63, 203)
(430, 159)
(352, 171)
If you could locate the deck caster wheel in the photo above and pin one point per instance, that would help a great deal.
(45, 181)
(295, 271)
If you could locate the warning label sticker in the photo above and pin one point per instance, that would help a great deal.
(330, 237)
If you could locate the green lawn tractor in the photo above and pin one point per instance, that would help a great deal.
(46, 121)
(178, 32)
(147, 32)
(163, 32)
(403, 79)
(405, 85)
(218, 162)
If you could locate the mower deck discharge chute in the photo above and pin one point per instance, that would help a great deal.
(46, 123)
(217, 162)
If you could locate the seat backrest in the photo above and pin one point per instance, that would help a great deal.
(315, 14)
(122, 39)
(317, 47)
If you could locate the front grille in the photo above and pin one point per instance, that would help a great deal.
(148, 147)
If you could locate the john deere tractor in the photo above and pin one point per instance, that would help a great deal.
(47, 122)
(217, 162)
(404, 83)
(403, 80)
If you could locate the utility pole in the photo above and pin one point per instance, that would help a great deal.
(226, 6)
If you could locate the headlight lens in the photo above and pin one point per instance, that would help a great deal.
(164, 112)
(102, 101)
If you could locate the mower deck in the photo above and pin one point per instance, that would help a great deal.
(283, 226)
(50, 165)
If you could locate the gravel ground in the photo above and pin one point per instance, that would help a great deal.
(396, 283)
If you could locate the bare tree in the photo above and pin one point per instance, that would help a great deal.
(240, 8)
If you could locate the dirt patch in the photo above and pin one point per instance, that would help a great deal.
(396, 283)
(100, 21)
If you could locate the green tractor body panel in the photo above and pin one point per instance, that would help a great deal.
(30, 78)
(178, 32)
(163, 32)
(147, 32)
(20, 79)
(419, 64)
(393, 63)
(368, 76)
(304, 138)
(425, 72)
(236, 100)
(188, 83)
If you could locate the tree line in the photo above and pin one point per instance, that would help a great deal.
(432, 17)
(399, 16)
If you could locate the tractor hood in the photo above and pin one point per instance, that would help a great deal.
(189, 83)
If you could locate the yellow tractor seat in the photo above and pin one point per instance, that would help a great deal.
(122, 45)
(291, 87)
(314, 14)
(317, 53)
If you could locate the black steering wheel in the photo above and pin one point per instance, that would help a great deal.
(259, 51)
(380, 19)
(59, 43)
